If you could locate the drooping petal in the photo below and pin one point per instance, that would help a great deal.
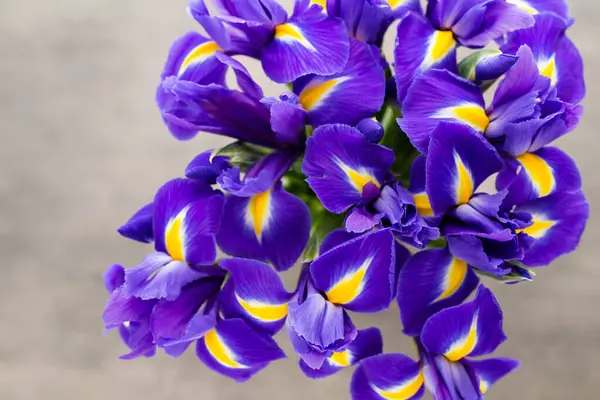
(419, 47)
(487, 372)
(459, 160)
(206, 167)
(359, 275)
(270, 226)
(355, 93)
(343, 167)
(430, 281)
(368, 343)
(288, 118)
(317, 328)
(139, 226)
(539, 174)
(260, 177)
(309, 44)
(186, 217)
(138, 337)
(439, 95)
(159, 277)
(121, 308)
(556, 55)
(113, 277)
(470, 329)
(254, 293)
(388, 376)
(235, 350)
(171, 321)
(489, 20)
(558, 223)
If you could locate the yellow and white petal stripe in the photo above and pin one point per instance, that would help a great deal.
(483, 386)
(341, 359)
(464, 346)
(540, 226)
(317, 91)
(175, 236)
(258, 212)
(198, 55)
(404, 391)
(441, 43)
(350, 286)
(292, 33)
(220, 352)
(454, 277)
(423, 204)
(358, 178)
(464, 185)
(539, 172)
(470, 114)
(524, 6)
(549, 69)
(394, 4)
(263, 312)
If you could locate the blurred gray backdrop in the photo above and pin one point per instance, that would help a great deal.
(83, 147)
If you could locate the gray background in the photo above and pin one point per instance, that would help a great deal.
(83, 146)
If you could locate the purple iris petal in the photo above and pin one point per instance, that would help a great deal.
(139, 226)
(206, 169)
(288, 118)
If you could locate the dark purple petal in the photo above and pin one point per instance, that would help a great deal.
(439, 95)
(235, 350)
(355, 93)
(254, 293)
(340, 163)
(360, 274)
(259, 227)
(114, 277)
(206, 169)
(471, 329)
(419, 47)
(306, 45)
(431, 281)
(388, 376)
(558, 224)
(459, 160)
(487, 372)
(288, 118)
(139, 226)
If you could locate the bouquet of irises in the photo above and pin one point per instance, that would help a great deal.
(367, 176)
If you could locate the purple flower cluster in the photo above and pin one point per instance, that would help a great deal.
(360, 161)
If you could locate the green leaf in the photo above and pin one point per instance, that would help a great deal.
(323, 223)
(396, 140)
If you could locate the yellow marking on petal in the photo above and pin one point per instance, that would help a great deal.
(322, 3)
(314, 94)
(474, 116)
(548, 69)
(423, 204)
(289, 32)
(455, 276)
(404, 391)
(264, 312)
(220, 351)
(361, 180)
(483, 386)
(174, 237)
(198, 54)
(464, 346)
(441, 44)
(258, 212)
(464, 185)
(395, 3)
(539, 227)
(341, 359)
(524, 6)
(349, 287)
(539, 172)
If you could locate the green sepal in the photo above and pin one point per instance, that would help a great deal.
(520, 273)
(242, 154)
